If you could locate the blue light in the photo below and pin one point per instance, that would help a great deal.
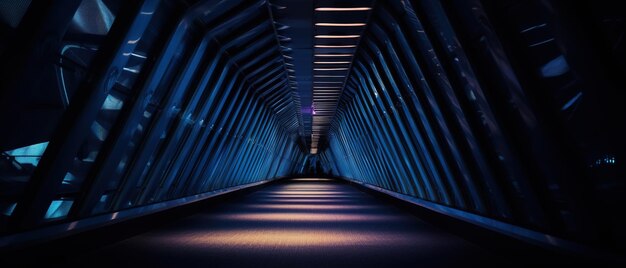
(572, 101)
(93, 17)
(112, 103)
(98, 130)
(9, 210)
(69, 178)
(29, 154)
(555, 67)
(59, 209)
(605, 160)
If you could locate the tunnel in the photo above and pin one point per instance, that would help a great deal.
(312, 133)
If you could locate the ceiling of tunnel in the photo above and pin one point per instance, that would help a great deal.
(319, 39)
(252, 38)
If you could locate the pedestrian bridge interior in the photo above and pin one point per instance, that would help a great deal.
(312, 133)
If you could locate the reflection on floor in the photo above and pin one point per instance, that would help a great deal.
(299, 223)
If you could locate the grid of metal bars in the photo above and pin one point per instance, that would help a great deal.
(211, 108)
(417, 119)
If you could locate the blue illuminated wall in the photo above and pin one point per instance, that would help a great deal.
(147, 105)
(444, 107)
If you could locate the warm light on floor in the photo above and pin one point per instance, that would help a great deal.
(311, 179)
(272, 238)
(308, 192)
(311, 196)
(305, 217)
(313, 229)
(310, 207)
(295, 200)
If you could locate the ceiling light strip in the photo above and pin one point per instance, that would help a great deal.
(333, 55)
(335, 46)
(332, 24)
(343, 8)
(330, 69)
(328, 36)
(331, 62)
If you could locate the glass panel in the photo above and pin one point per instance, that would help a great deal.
(124, 89)
(90, 24)
(93, 17)
(39, 114)
(100, 129)
(58, 209)
(28, 155)
(63, 76)
(7, 209)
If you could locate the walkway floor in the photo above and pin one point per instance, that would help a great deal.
(299, 223)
